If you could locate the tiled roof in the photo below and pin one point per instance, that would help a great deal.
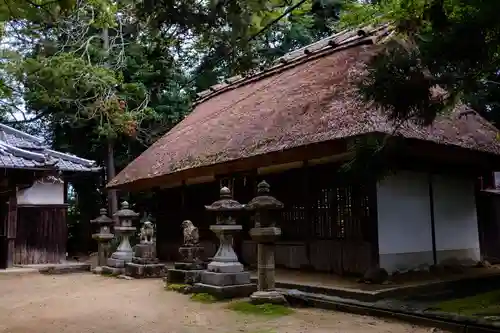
(24, 151)
(16, 158)
(309, 97)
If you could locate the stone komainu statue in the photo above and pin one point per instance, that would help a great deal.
(190, 233)
(147, 234)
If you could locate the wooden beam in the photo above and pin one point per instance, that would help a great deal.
(65, 191)
(297, 154)
(11, 227)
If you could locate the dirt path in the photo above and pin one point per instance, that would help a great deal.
(84, 303)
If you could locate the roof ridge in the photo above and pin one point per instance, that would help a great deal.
(336, 41)
(22, 152)
(25, 135)
(31, 147)
(71, 157)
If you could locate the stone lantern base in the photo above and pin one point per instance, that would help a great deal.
(266, 293)
(103, 240)
(115, 265)
(265, 297)
(144, 263)
(225, 277)
(189, 270)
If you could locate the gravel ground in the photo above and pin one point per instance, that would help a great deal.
(84, 303)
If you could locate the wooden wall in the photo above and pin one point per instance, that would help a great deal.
(41, 234)
(328, 224)
(11, 226)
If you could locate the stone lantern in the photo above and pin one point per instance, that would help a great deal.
(125, 229)
(265, 233)
(225, 277)
(103, 237)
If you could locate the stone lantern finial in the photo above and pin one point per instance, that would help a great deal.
(225, 193)
(263, 187)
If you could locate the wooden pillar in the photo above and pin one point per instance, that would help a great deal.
(373, 218)
(11, 227)
(306, 199)
(183, 198)
(433, 221)
(65, 191)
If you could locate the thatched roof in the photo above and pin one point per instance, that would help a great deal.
(309, 97)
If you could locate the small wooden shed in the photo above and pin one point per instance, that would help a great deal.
(34, 193)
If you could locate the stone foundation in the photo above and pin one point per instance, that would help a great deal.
(141, 271)
(108, 270)
(225, 285)
(266, 297)
(183, 276)
(225, 279)
(225, 292)
(117, 263)
(144, 263)
(190, 265)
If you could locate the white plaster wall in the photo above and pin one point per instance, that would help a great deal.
(496, 176)
(404, 223)
(42, 194)
(455, 218)
(404, 220)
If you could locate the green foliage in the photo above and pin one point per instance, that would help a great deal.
(266, 309)
(485, 304)
(81, 95)
(373, 158)
(204, 298)
(176, 287)
(445, 51)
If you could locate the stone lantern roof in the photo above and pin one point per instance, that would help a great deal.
(125, 212)
(226, 203)
(263, 200)
(103, 218)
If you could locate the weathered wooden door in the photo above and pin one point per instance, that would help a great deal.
(343, 220)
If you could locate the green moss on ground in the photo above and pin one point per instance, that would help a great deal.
(204, 298)
(481, 305)
(176, 287)
(270, 310)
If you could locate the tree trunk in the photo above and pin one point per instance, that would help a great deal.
(112, 194)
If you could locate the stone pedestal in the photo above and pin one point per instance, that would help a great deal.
(266, 293)
(102, 250)
(144, 263)
(189, 270)
(225, 277)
